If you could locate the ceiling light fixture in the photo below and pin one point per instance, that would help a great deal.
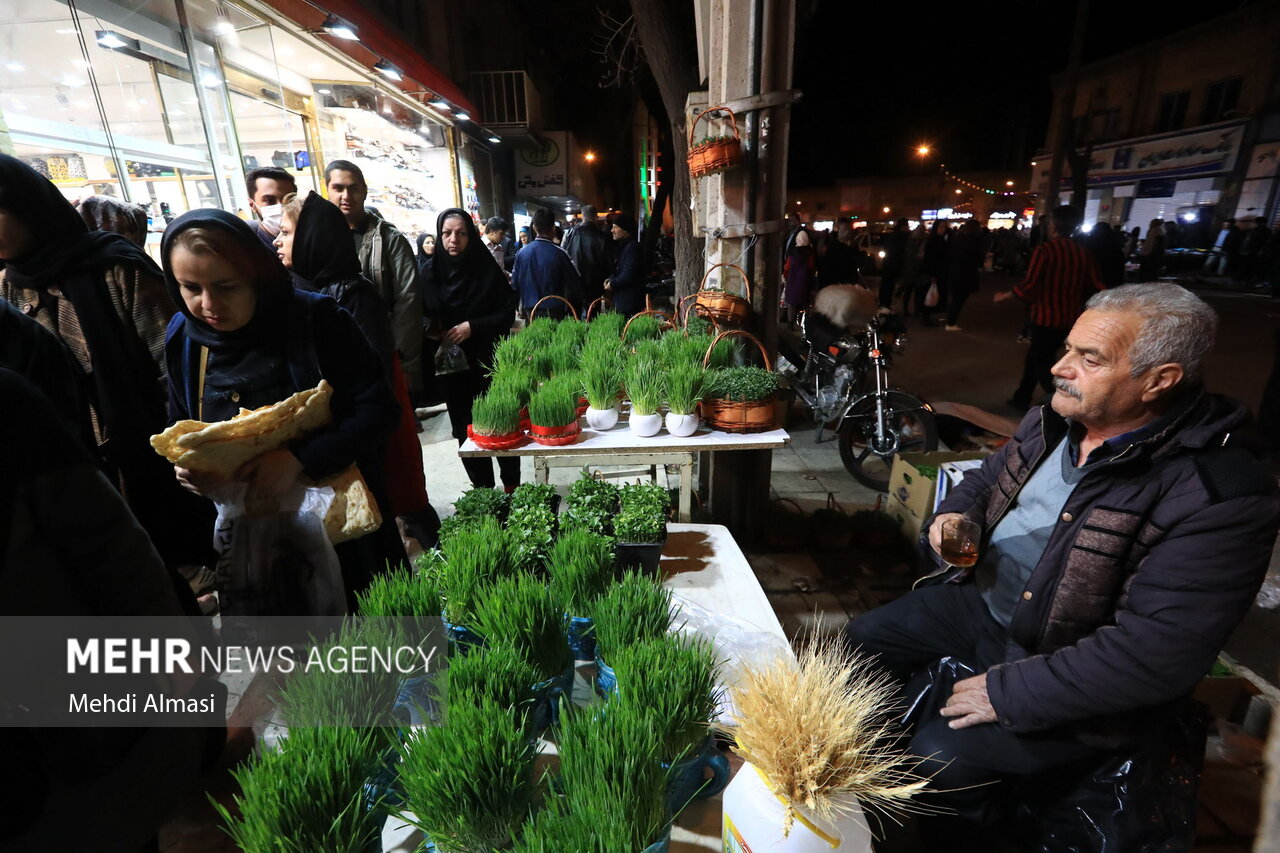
(494, 139)
(340, 29)
(462, 115)
(15, 67)
(325, 91)
(386, 69)
(439, 103)
(112, 40)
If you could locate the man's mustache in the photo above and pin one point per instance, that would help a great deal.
(1067, 388)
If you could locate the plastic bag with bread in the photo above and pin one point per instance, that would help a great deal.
(223, 448)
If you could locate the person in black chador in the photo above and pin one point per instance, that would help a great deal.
(469, 304)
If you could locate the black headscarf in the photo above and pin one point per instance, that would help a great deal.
(270, 278)
(460, 283)
(323, 249)
(63, 246)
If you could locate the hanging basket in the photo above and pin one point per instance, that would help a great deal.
(724, 308)
(714, 155)
(741, 416)
(496, 442)
(533, 312)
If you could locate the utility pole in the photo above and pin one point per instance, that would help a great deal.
(1066, 106)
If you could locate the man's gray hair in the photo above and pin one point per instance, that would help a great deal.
(1178, 327)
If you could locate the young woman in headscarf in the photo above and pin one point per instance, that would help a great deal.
(471, 305)
(105, 299)
(247, 338)
(315, 244)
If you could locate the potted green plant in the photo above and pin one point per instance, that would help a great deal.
(480, 502)
(741, 399)
(405, 606)
(675, 677)
(602, 380)
(527, 494)
(683, 382)
(641, 525)
(522, 613)
(591, 505)
(644, 388)
(643, 327)
(531, 529)
(495, 419)
(553, 414)
(636, 608)
(581, 568)
(496, 673)
(474, 556)
(606, 327)
(468, 785)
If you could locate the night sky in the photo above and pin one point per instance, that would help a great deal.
(970, 79)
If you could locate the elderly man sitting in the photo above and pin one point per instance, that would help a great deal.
(1125, 532)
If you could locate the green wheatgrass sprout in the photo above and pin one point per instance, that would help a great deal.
(531, 529)
(636, 608)
(521, 381)
(581, 567)
(521, 613)
(644, 327)
(542, 328)
(606, 326)
(742, 384)
(494, 673)
(572, 332)
(678, 347)
(405, 603)
(602, 374)
(675, 677)
(724, 355)
(555, 404)
(696, 324)
(684, 383)
(563, 356)
(480, 502)
(591, 505)
(321, 696)
(644, 385)
(474, 557)
(509, 354)
(308, 794)
(468, 785)
(611, 762)
(498, 411)
(542, 362)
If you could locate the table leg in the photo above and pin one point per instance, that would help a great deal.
(541, 471)
(686, 489)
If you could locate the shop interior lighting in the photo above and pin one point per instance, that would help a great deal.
(462, 115)
(325, 91)
(210, 80)
(494, 139)
(339, 29)
(440, 103)
(386, 69)
(15, 67)
(112, 40)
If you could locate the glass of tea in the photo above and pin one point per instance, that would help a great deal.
(960, 539)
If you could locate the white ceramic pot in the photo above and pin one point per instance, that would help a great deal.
(602, 420)
(682, 425)
(645, 425)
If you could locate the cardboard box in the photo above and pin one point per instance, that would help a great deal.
(916, 490)
(907, 520)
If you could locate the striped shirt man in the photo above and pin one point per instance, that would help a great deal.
(1061, 277)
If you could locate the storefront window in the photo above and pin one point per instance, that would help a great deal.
(61, 75)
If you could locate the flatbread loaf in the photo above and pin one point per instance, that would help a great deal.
(353, 512)
(223, 448)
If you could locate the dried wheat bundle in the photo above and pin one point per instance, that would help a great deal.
(820, 729)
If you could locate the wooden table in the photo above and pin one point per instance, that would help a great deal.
(619, 446)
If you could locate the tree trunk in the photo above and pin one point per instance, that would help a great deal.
(666, 33)
(1078, 160)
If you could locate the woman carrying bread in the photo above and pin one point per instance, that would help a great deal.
(246, 338)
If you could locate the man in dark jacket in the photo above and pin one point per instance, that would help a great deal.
(895, 256)
(626, 285)
(543, 269)
(1125, 532)
(588, 248)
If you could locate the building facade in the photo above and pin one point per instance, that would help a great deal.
(1187, 126)
(169, 103)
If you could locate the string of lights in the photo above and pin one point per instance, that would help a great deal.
(1006, 191)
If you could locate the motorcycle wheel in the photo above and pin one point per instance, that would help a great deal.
(914, 425)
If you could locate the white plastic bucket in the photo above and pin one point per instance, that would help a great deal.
(754, 818)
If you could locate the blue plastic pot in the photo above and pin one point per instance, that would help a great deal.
(606, 679)
(461, 639)
(582, 637)
(662, 845)
(689, 777)
(416, 703)
(546, 702)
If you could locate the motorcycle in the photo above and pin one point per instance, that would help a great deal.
(845, 382)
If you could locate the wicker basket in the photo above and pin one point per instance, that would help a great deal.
(724, 308)
(733, 415)
(595, 308)
(533, 312)
(664, 321)
(683, 312)
(715, 155)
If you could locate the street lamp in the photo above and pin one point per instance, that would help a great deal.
(590, 156)
(923, 151)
